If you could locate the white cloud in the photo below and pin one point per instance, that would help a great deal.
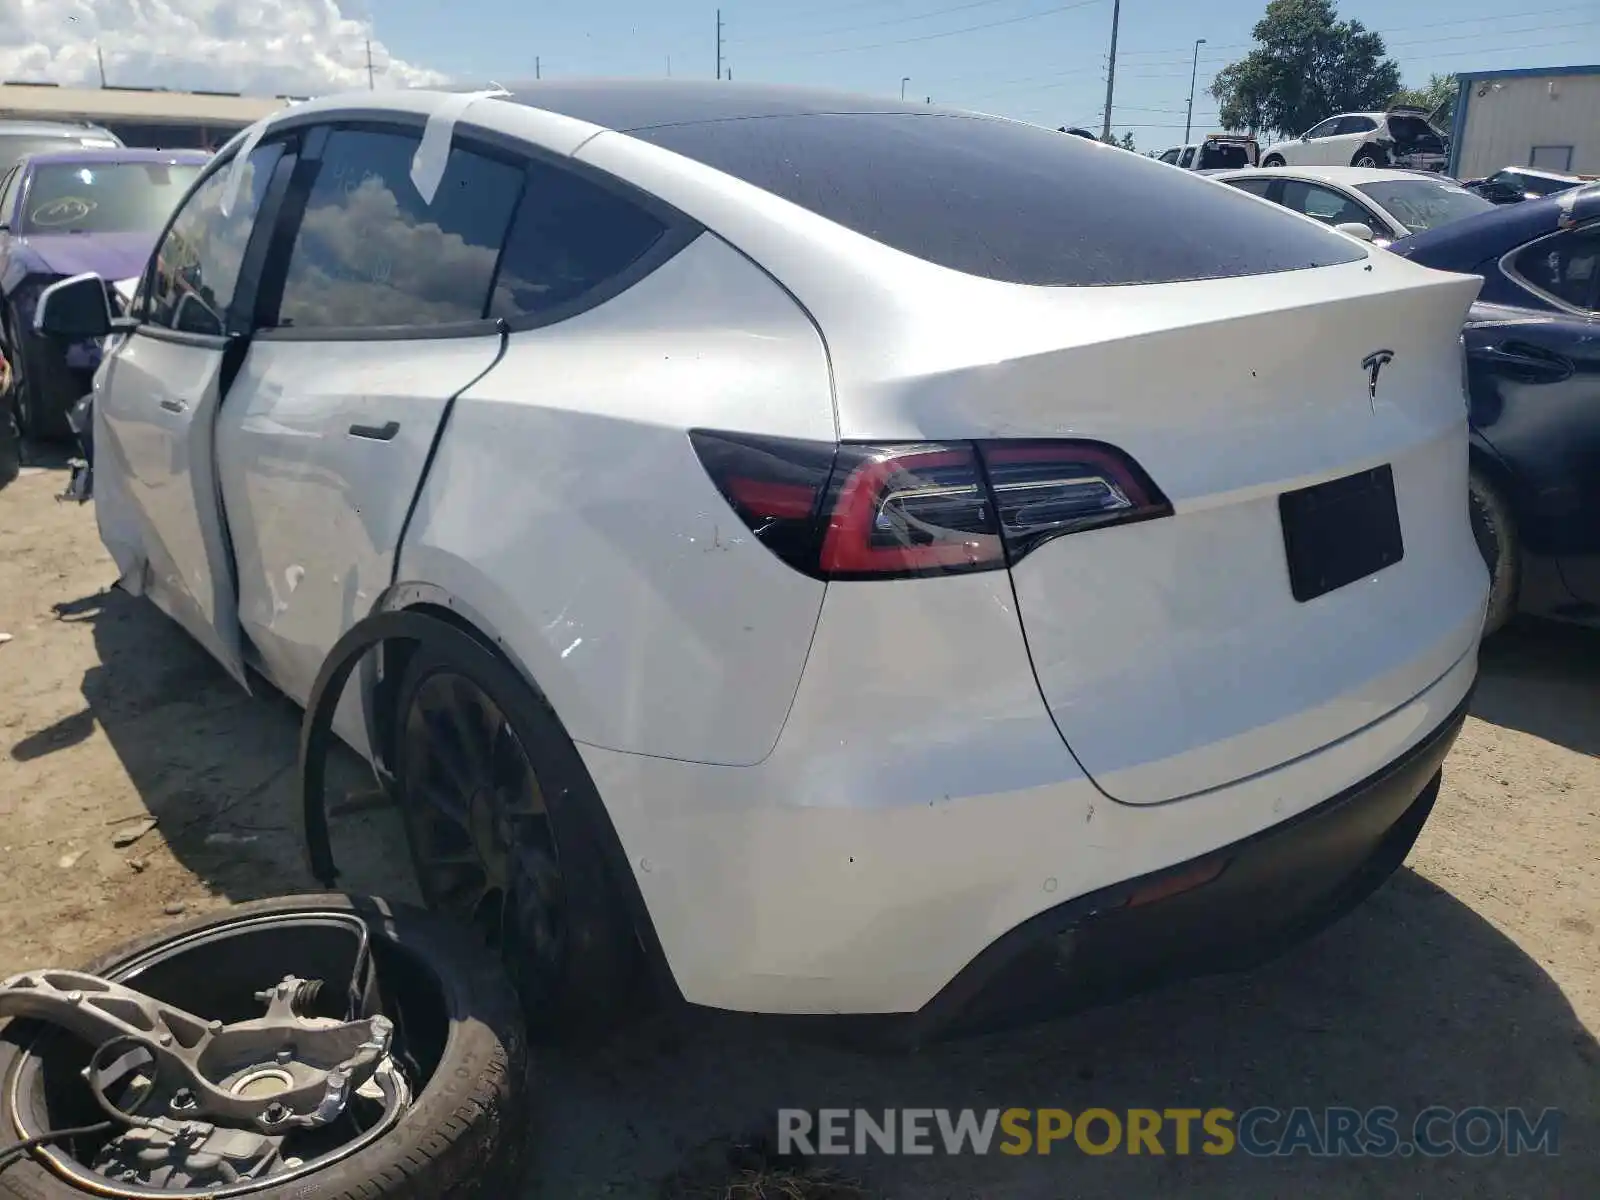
(268, 46)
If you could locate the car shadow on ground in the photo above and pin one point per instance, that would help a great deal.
(1412, 1001)
(1543, 678)
(215, 765)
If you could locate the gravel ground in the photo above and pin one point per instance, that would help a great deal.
(1472, 978)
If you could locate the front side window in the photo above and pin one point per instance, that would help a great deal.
(196, 271)
(1188, 157)
(6, 186)
(569, 237)
(1170, 156)
(1004, 200)
(1325, 129)
(370, 253)
(1326, 205)
(102, 197)
(1564, 266)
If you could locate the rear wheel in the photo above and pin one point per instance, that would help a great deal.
(1272, 160)
(495, 843)
(1501, 547)
(1370, 156)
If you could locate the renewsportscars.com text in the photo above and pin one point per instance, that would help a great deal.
(1261, 1132)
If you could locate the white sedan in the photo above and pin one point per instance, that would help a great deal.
(1388, 204)
(865, 566)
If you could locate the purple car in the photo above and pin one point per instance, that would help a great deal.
(62, 214)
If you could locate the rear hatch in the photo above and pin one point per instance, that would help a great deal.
(1413, 135)
(1246, 630)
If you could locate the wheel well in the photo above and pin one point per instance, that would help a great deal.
(392, 659)
(1495, 473)
(1372, 148)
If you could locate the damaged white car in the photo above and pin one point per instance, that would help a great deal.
(890, 589)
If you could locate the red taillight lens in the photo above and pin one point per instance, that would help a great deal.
(856, 511)
(908, 510)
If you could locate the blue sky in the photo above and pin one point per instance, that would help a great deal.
(1039, 60)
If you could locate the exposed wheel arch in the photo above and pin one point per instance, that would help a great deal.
(1370, 155)
(397, 634)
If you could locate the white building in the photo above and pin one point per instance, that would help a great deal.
(1543, 117)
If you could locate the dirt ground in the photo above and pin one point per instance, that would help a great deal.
(1472, 978)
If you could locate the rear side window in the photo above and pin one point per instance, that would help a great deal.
(1357, 125)
(369, 253)
(1188, 157)
(1256, 187)
(569, 237)
(1565, 266)
(1005, 200)
(197, 264)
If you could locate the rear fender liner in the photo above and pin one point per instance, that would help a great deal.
(575, 805)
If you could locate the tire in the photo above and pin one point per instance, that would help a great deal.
(1501, 546)
(1273, 160)
(463, 1135)
(588, 972)
(1370, 156)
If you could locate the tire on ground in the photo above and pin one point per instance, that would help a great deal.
(1501, 547)
(463, 1135)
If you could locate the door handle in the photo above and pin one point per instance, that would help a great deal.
(376, 433)
(174, 406)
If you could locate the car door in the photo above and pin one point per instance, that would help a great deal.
(156, 407)
(1306, 152)
(1536, 400)
(1354, 132)
(374, 317)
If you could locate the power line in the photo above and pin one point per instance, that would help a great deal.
(929, 37)
(907, 20)
(1517, 16)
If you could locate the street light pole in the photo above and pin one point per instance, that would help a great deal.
(1194, 71)
(904, 80)
(1111, 70)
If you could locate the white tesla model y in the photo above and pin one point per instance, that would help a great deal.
(916, 563)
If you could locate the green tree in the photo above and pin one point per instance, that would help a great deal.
(1439, 91)
(1127, 141)
(1306, 65)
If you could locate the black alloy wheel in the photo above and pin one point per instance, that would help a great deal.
(481, 836)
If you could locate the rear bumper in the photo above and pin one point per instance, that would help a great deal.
(1269, 892)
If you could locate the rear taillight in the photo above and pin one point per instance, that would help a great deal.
(854, 511)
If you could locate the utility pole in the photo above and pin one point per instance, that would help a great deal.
(100, 58)
(1111, 70)
(719, 43)
(537, 73)
(1194, 71)
(372, 84)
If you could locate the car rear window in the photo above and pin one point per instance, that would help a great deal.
(1006, 200)
(1224, 156)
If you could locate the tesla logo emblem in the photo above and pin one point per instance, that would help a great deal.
(1374, 363)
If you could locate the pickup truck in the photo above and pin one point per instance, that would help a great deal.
(1218, 152)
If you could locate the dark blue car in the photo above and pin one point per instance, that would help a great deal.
(63, 213)
(1533, 363)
